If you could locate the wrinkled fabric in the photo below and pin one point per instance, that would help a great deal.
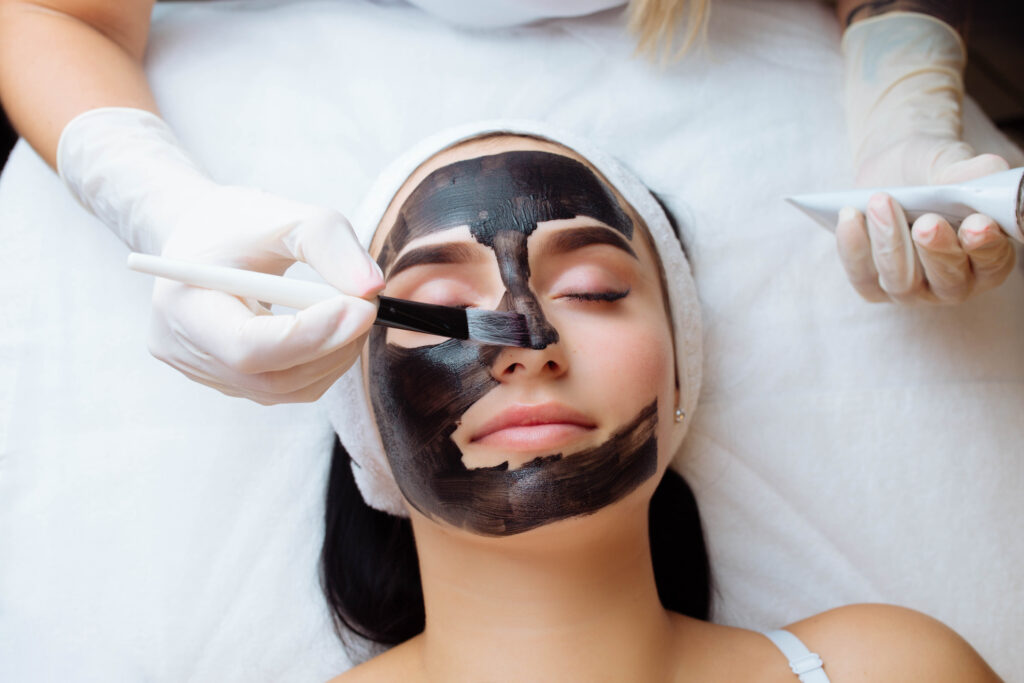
(842, 452)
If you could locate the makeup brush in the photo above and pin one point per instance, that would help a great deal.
(1000, 195)
(487, 327)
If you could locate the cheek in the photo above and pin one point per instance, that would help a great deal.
(630, 358)
(628, 363)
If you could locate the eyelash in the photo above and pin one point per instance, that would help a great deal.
(589, 297)
(605, 297)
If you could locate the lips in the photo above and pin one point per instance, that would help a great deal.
(533, 426)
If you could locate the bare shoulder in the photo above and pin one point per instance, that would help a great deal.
(397, 664)
(887, 643)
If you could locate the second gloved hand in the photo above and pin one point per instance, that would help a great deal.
(126, 167)
(904, 90)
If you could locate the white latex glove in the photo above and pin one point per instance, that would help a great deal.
(126, 167)
(904, 90)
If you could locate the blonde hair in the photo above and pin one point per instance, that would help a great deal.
(654, 24)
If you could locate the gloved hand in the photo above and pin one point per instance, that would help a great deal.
(903, 91)
(126, 167)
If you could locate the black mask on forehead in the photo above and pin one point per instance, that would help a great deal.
(419, 394)
(502, 198)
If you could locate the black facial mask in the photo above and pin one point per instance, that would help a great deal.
(419, 394)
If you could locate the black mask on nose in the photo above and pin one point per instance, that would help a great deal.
(419, 394)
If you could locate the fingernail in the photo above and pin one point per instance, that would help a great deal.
(928, 230)
(375, 271)
(847, 214)
(881, 211)
(976, 227)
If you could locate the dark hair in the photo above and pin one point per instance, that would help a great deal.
(371, 576)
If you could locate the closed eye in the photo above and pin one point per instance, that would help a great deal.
(456, 291)
(596, 296)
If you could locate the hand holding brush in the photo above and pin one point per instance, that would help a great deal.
(487, 327)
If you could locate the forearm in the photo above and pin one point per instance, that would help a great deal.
(63, 57)
(903, 89)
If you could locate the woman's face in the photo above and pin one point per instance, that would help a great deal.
(500, 440)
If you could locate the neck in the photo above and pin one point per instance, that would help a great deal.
(574, 600)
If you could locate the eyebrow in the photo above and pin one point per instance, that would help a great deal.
(572, 239)
(452, 252)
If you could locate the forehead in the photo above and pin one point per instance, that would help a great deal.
(498, 183)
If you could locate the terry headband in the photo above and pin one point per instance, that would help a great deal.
(347, 401)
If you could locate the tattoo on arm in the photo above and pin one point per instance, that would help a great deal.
(953, 12)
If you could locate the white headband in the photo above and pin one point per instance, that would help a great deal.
(347, 402)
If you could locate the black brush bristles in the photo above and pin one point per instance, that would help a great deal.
(498, 327)
(487, 327)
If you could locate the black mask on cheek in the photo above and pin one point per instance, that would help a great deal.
(419, 394)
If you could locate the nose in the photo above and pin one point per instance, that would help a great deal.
(514, 266)
(515, 364)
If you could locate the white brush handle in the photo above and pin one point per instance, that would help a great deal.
(1000, 195)
(272, 289)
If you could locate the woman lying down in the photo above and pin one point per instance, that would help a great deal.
(553, 541)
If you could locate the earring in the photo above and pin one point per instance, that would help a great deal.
(680, 415)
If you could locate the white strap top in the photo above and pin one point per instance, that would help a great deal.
(493, 13)
(804, 663)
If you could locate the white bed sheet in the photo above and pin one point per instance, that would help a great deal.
(152, 529)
